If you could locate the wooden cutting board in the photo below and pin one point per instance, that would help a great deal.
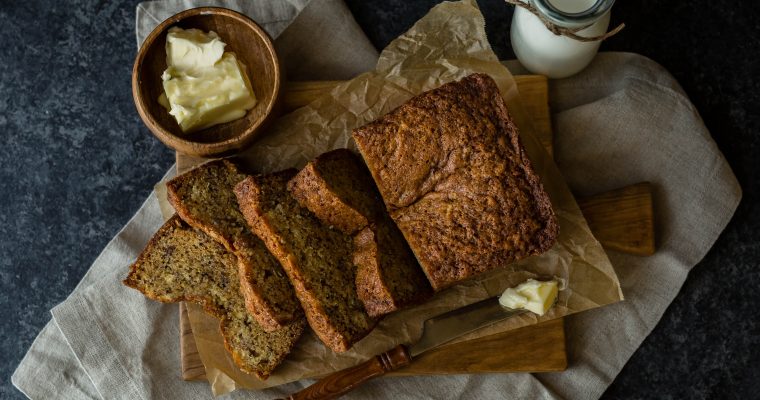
(620, 219)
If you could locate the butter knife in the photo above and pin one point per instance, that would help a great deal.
(436, 331)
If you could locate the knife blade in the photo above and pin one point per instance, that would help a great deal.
(436, 331)
(450, 325)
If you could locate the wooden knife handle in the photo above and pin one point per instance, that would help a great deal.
(339, 383)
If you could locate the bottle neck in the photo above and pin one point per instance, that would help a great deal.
(572, 13)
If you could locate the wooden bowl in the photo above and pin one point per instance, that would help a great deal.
(253, 48)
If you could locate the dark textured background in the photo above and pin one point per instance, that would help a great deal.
(76, 162)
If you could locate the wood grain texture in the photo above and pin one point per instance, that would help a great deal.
(253, 48)
(622, 219)
(534, 348)
(531, 350)
(534, 93)
(190, 361)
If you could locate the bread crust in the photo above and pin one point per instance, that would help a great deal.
(258, 197)
(457, 181)
(388, 277)
(338, 189)
(188, 179)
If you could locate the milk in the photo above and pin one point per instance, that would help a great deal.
(556, 56)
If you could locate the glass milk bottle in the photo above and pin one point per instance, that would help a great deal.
(559, 55)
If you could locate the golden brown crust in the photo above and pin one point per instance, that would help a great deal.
(375, 295)
(181, 264)
(314, 256)
(204, 198)
(388, 278)
(338, 189)
(255, 302)
(453, 174)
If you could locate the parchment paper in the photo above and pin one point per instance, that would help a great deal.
(447, 44)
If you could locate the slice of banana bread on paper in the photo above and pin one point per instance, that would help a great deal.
(337, 187)
(388, 277)
(204, 198)
(456, 180)
(316, 257)
(184, 264)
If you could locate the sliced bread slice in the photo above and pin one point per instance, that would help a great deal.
(388, 277)
(204, 198)
(316, 258)
(337, 187)
(183, 264)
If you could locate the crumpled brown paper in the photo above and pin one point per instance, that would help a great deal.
(447, 44)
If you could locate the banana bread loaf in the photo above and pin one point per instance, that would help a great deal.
(316, 257)
(456, 180)
(204, 198)
(184, 264)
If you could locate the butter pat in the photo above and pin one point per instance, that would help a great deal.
(192, 49)
(532, 295)
(203, 85)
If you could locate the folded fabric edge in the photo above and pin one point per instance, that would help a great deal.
(274, 25)
(30, 372)
(96, 348)
(591, 367)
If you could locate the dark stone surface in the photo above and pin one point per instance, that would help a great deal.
(77, 162)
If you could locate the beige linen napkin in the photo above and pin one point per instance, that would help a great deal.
(622, 120)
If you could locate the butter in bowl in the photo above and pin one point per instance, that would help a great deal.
(206, 82)
(203, 85)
